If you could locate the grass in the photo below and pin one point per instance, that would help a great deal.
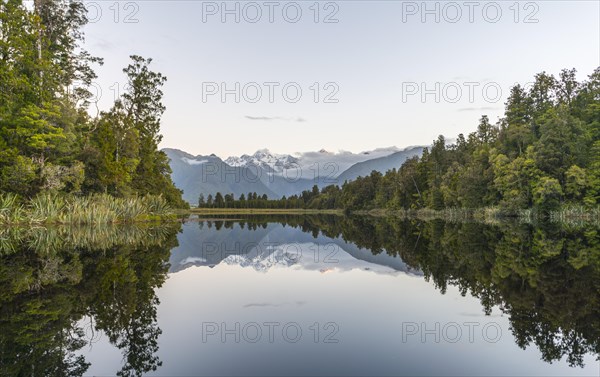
(11, 211)
(263, 211)
(576, 215)
(55, 238)
(50, 208)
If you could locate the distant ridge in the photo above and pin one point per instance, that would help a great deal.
(381, 164)
(277, 175)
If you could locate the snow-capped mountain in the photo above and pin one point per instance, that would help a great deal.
(307, 165)
(265, 160)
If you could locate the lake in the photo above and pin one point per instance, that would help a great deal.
(301, 295)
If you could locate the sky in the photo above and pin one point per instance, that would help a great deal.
(335, 75)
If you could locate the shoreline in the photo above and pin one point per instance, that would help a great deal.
(262, 211)
(566, 215)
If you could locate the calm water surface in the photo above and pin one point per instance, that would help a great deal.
(300, 296)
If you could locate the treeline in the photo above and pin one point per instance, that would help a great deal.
(253, 200)
(48, 141)
(543, 154)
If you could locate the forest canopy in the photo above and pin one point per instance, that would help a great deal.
(48, 140)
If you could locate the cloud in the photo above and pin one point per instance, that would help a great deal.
(103, 44)
(465, 314)
(258, 118)
(267, 304)
(268, 119)
(260, 305)
(484, 108)
(469, 79)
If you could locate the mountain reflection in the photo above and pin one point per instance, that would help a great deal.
(63, 286)
(263, 243)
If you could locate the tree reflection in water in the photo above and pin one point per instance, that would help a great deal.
(545, 278)
(52, 278)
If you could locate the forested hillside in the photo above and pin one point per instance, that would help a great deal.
(543, 154)
(48, 142)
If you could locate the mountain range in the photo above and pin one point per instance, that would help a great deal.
(277, 175)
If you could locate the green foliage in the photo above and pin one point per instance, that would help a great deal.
(11, 210)
(46, 207)
(56, 208)
(577, 182)
(62, 178)
(547, 194)
(515, 179)
(18, 175)
(48, 143)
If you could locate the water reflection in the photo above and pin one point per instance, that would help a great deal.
(62, 287)
(262, 243)
(53, 278)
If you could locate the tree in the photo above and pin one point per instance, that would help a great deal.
(515, 179)
(436, 164)
(577, 183)
(542, 94)
(59, 46)
(122, 157)
(219, 200)
(567, 86)
(547, 194)
(113, 154)
(517, 130)
(563, 142)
